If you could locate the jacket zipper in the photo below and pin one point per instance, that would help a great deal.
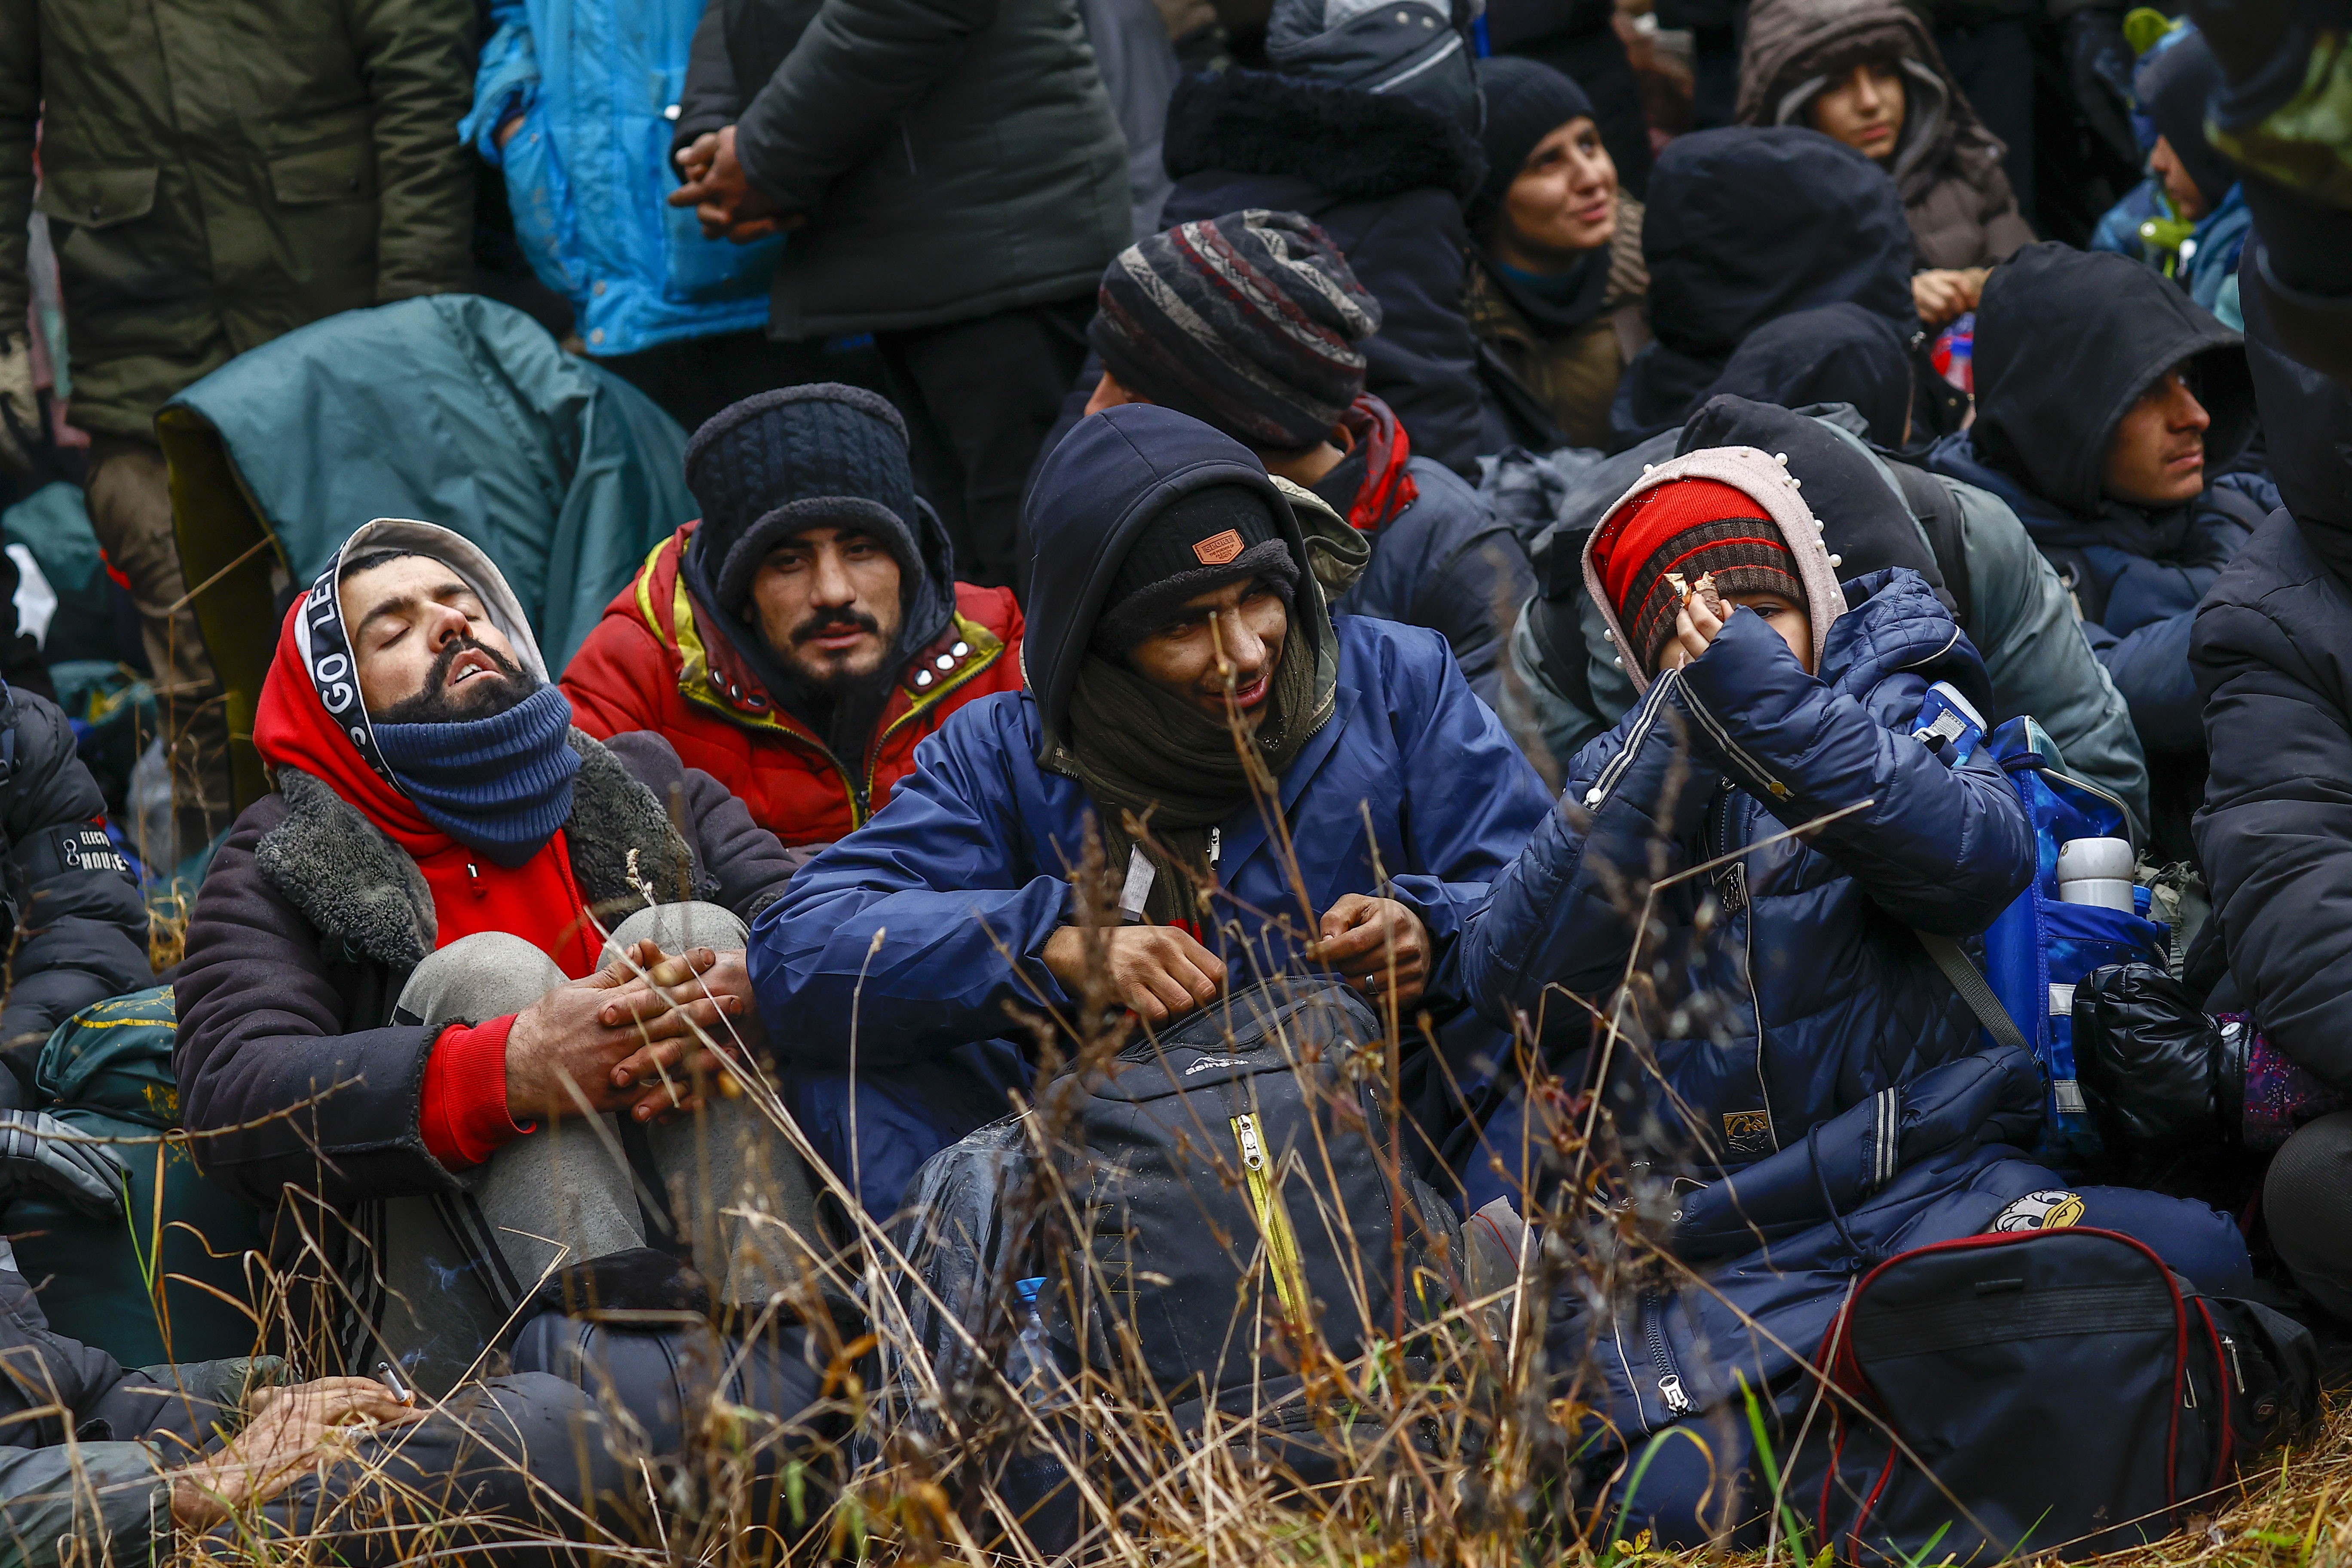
(1755, 770)
(1599, 792)
(1662, 1356)
(1732, 880)
(1273, 1221)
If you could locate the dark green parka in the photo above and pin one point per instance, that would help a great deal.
(219, 172)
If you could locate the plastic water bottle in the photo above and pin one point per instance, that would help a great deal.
(2096, 871)
(1032, 1358)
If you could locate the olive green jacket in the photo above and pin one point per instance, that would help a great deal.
(219, 172)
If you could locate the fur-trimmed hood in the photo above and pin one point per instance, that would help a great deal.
(364, 894)
(1356, 145)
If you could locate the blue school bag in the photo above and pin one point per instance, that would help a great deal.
(2041, 947)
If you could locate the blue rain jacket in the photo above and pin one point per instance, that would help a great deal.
(596, 85)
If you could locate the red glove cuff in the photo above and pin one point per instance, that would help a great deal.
(464, 1119)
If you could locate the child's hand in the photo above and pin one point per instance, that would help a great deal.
(1695, 628)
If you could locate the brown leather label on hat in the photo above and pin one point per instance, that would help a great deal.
(1219, 548)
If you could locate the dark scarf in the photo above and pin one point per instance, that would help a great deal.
(500, 785)
(1141, 751)
(1556, 303)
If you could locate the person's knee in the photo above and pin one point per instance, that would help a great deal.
(680, 926)
(485, 975)
(2305, 1201)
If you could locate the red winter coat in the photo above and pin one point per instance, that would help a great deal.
(650, 664)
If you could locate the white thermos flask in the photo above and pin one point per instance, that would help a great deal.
(2096, 871)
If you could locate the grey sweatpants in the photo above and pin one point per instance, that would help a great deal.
(567, 1192)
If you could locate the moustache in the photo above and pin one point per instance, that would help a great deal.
(825, 622)
(435, 703)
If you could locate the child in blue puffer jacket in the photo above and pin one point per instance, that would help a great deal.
(1769, 823)
(1783, 981)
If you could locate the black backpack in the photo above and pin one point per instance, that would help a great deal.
(1241, 1190)
(2042, 1391)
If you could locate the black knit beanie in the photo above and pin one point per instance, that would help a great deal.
(798, 457)
(1202, 541)
(2173, 87)
(1527, 100)
(1248, 322)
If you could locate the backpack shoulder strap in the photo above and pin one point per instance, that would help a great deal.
(1939, 518)
(1974, 989)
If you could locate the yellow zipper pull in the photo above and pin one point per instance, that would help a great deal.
(1245, 1129)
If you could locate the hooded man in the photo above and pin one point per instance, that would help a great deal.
(1868, 73)
(2109, 408)
(1744, 226)
(2271, 648)
(798, 640)
(1366, 125)
(399, 992)
(1177, 649)
(1252, 323)
(1875, 510)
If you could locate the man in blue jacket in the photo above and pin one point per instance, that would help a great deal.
(1177, 649)
(2112, 414)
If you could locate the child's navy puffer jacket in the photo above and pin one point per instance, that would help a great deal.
(1784, 983)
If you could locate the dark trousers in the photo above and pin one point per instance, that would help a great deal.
(1994, 65)
(694, 378)
(979, 397)
(2307, 1204)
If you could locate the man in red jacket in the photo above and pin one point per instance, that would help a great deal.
(799, 641)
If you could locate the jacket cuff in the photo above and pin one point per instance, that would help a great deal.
(464, 1118)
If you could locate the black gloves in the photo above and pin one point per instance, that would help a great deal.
(40, 1154)
(2099, 67)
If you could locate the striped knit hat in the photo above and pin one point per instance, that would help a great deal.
(1687, 527)
(1249, 322)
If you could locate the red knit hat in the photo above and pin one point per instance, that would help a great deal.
(1688, 527)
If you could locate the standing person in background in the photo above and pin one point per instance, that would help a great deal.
(220, 175)
(1366, 125)
(1866, 73)
(561, 108)
(953, 180)
(1557, 292)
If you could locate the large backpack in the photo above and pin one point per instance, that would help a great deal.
(1243, 1191)
(164, 1281)
(2042, 1391)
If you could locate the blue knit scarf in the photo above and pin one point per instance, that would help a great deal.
(501, 785)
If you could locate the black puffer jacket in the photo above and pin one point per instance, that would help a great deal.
(2272, 653)
(953, 158)
(1743, 226)
(79, 927)
(1386, 179)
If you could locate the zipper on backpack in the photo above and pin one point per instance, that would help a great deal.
(2236, 1370)
(1273, 1221)
(1670, 1382)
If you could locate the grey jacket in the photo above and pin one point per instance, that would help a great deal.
(953, 158)
(2019, 618)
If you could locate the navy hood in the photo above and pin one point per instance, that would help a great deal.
(1837, 354)
(2066, 341)
(1095, 493)
(1745, 225)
